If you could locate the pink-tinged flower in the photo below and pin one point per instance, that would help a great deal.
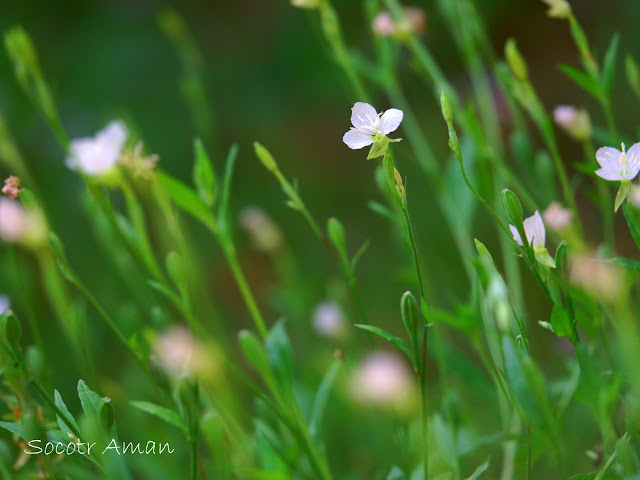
(616, 165)
(328, 320)
(536, 236)
(96, 156)
(533, 229)
(600, 278)
(574, 121)
(265, 234)
(556, 217)
(11, 187)
(5, 303)
(180, 354)
(382, 379)
(384, 25)
(369, 126)
(19, 225)
(414, 21)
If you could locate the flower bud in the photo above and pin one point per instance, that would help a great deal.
(512, 207)
(558, 8)
(308, 4)
(574, 121)
(515, 60)
(265, 157)
(11, 187)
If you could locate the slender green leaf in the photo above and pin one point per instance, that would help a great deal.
(632, 214)
(397, 341)
(609, 65)
(166, 414)
(582, 80)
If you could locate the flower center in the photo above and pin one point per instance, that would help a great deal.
(374, 126)
(624, 166)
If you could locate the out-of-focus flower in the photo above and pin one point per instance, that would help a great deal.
(5, 303)
(328, 320)
(635, 195)
(264, 233)
(558, 8)
(180, 354)
(557, 217)
(19, 225)
(536, 235)
(369, 126)
(98, 155)
(140, 165)
(574, 121)
(310, 4)
(11, 187)
(601, 278)
(618, 165)
(382, 379)
(414, 21)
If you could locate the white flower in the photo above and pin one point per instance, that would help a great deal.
(19, 225)
(574, 121)
(5, 303)
(369, 126)
(382, 379)
(618, 165)
(557, 217)
(97, 155)
(265, 235)
(535, 233)
(384, 25)
(533, 229)
(328, 320)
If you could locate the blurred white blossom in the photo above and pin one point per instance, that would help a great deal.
(557, 217)
(618, 165)
(328, 320)
(574, 121)
(414, 21)
(369, 126)
(19, 225)
(5, 303)
(382, 379)
(97, 155)
(180, 354)
(264, 233)
(601, 278)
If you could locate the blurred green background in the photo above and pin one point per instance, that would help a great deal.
(269, 77)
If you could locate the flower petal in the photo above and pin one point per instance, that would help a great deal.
(609, 173)
(516, 235)
(534, 230)
(608, 156)
(362, 115)
(114, 135)
(391, 120)
(633, 161)
(355, 139)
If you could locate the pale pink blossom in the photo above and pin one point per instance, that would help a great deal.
(556, 217)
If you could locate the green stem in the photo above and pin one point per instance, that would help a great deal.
(607, 466)
(241, 281)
